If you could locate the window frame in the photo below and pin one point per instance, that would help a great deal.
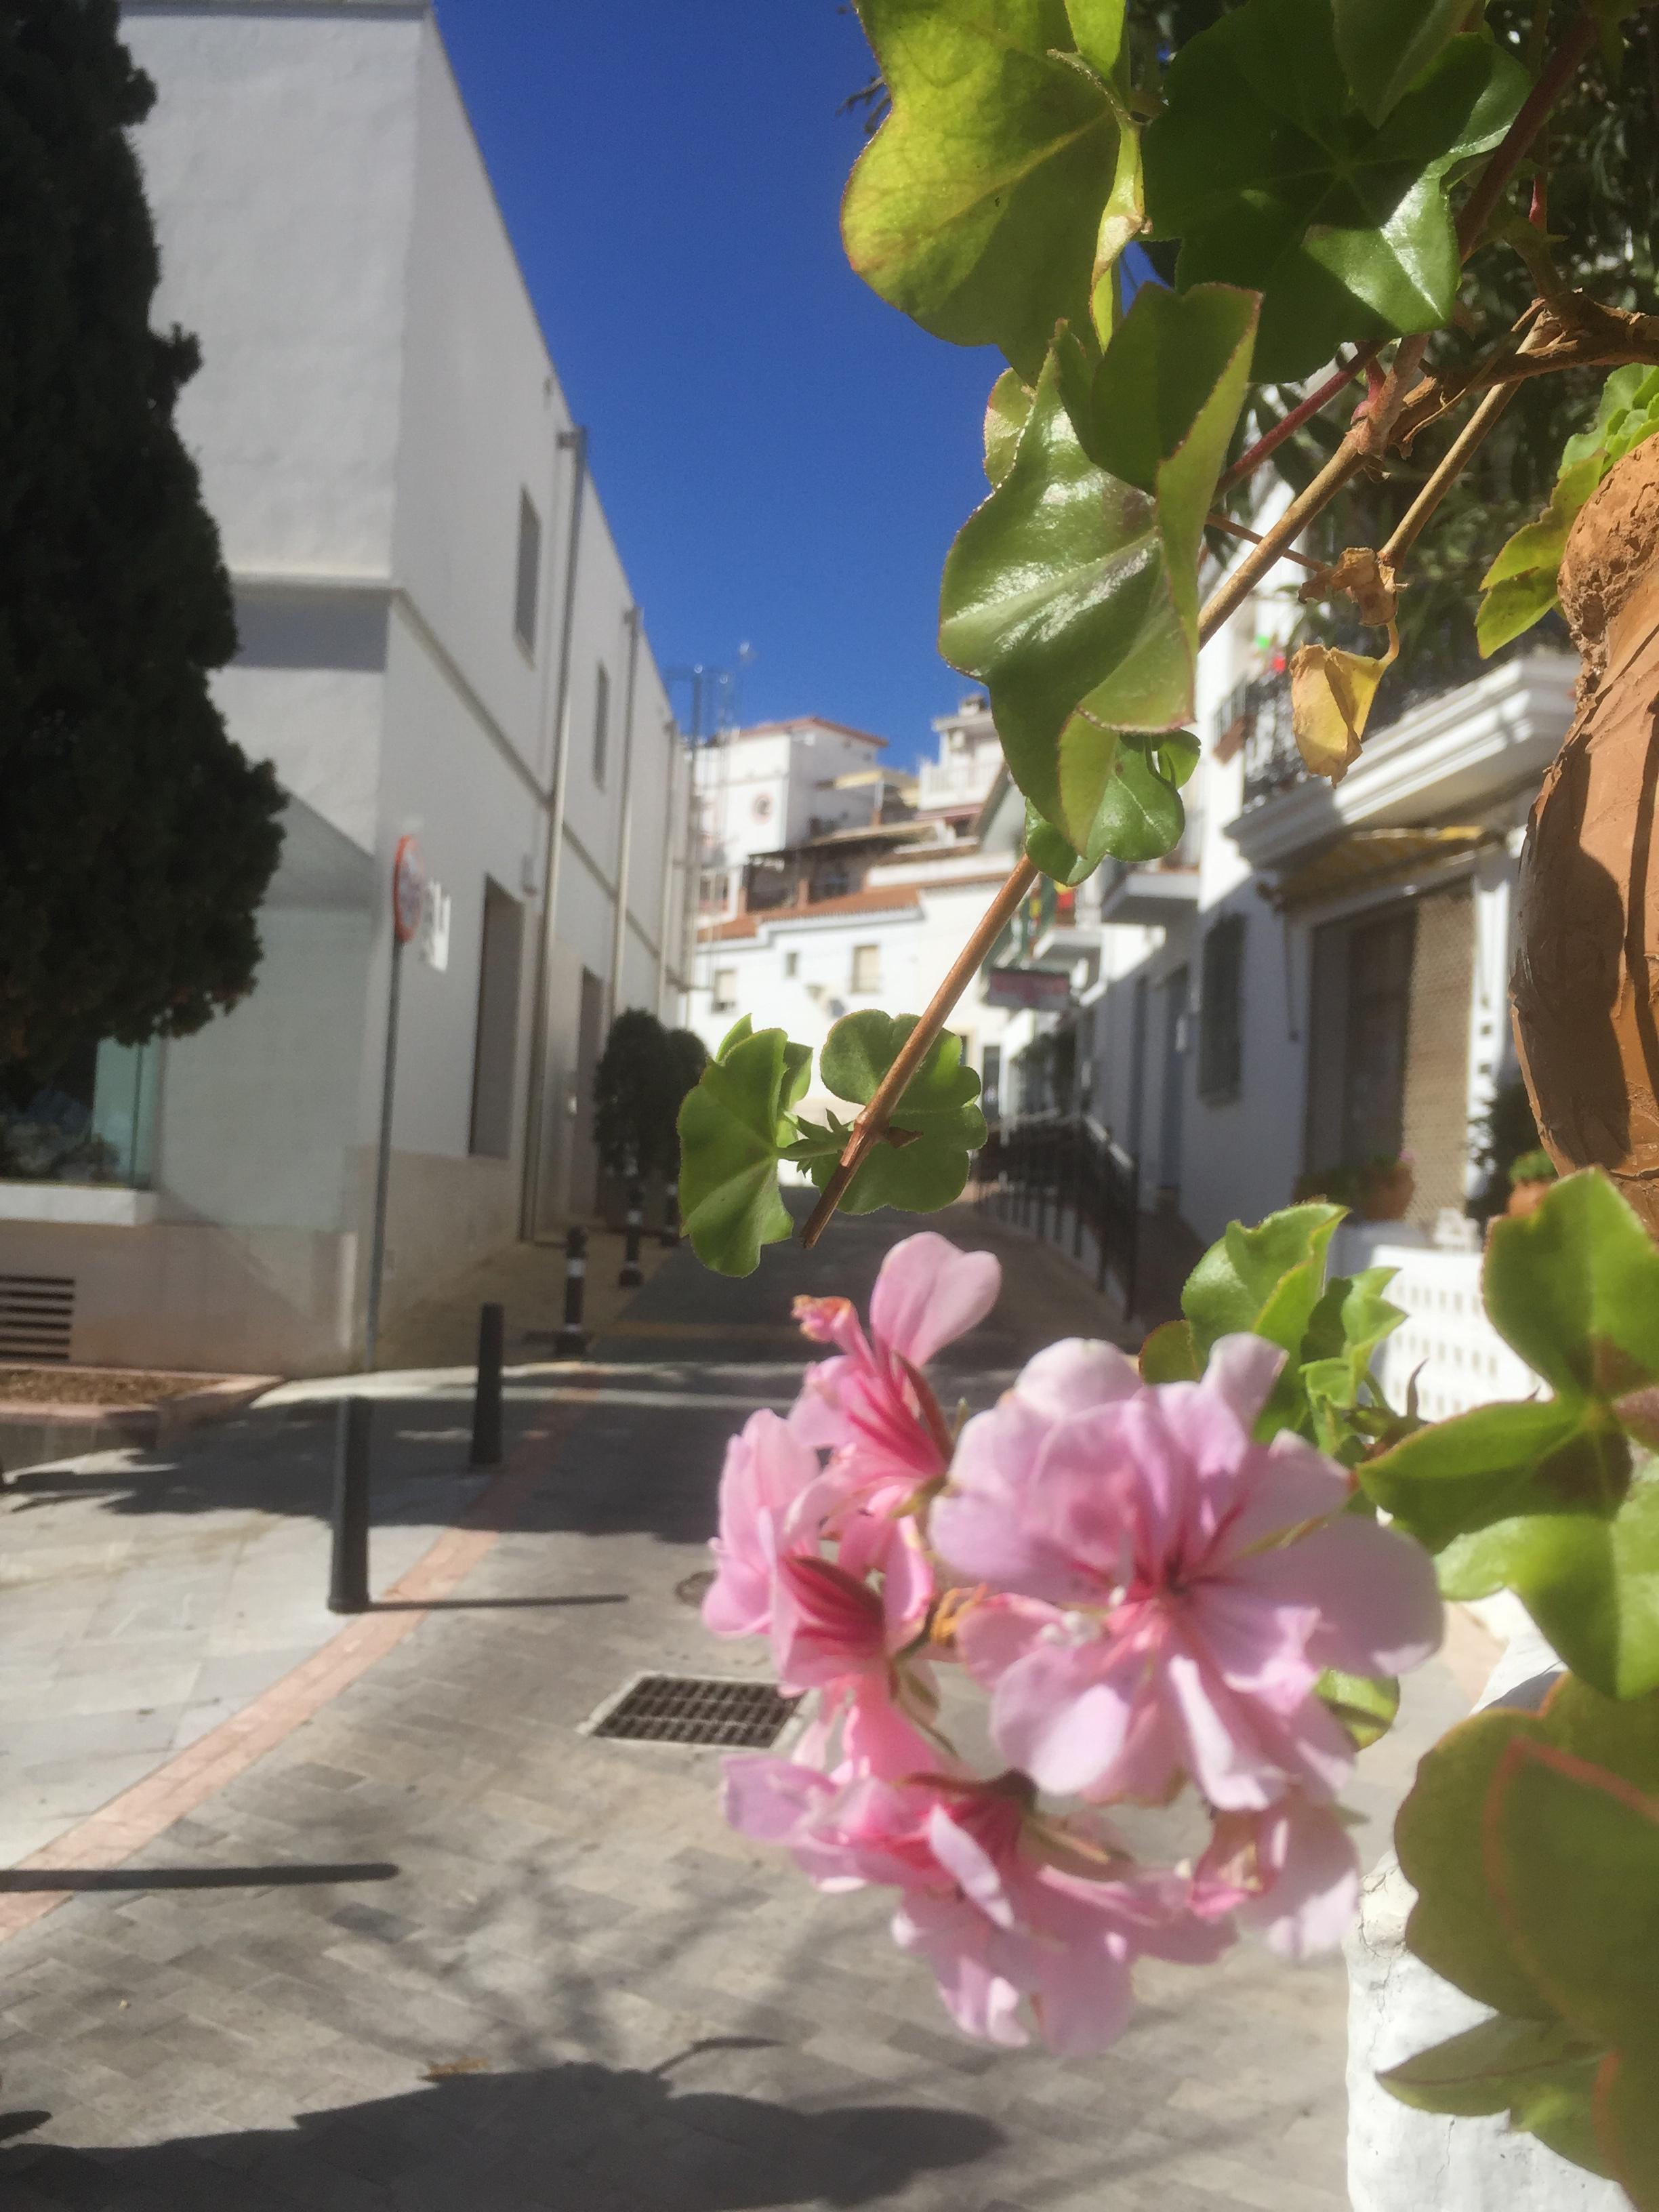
(600, 760)
(527, 575)
(856, 987)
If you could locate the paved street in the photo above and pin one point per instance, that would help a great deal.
(437, 1949)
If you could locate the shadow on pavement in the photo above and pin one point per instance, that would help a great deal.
(599, 2138)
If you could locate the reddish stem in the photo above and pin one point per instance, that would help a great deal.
(1489, 188)
(1252, 458)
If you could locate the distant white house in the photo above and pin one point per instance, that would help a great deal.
(438, 638)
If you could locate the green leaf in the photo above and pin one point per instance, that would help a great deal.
(1006, 413)
(1627, 2115)
(1520, 586)
(1487, 2068)
(1122, 220)
(1574, 1287)
(1385, 46)
(938, 1111)
(1572, 1853)
(1365, 1705)
(1097, 33)
(1267, 1279)
(1114, 793)
(1591, 1585)
(1047, 849)
(732, 1127)
(1495, 1462)
(1455, 1926)
(1073, 593)
(1169, 1355)
(1263, 166)
(976, 206)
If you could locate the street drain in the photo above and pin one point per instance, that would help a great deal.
(695, 1587)
(696, 1709)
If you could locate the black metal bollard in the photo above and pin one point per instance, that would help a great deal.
(347, 1581)
(670, 1219)
(487, 1390)
(572, 1339)
(632, 1273)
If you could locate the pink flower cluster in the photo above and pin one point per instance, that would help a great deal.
(1148, 1595)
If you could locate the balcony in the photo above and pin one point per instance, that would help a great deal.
(1155, 894)
(961, 782)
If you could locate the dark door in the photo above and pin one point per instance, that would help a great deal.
(1374, 1050)
(1172, 1115)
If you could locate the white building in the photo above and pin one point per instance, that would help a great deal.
(438, 638)
(773, 786)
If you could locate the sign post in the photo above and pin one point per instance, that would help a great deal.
(408, 904)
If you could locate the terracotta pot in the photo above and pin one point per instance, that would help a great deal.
(1389, 1193)
(1586, 985)
(1527, 1197)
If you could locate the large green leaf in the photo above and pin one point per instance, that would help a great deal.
(1572, 1853)
(1455, 1926)
(1367, 1705)
(1385, 46)
(1266, 168)
(1591, 1585)
(1574, 1287)
(1268, 1279)
(1489, 2068)
(1520, 587)
(938, 1114)
(1498, 1462)
(976, 208)
(734, 1128)
(1007, 411)
(1071, 593)
(1627, 2124)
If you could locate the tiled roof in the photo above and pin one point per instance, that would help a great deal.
(811, 722)
(887, 899)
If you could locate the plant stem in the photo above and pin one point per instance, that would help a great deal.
(1213, 521)
(872, 1121)
(1253, 457)
(1235, 589)
(1447, 472)
(1556, 74)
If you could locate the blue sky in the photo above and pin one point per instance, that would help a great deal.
(784, 459)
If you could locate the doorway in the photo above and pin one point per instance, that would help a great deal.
(1173, 1103)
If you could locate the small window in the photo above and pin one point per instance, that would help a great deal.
(1221, 1031)
(792, 963)
(867, 971)
(725, 1000)
(601, 722)
(528, 588)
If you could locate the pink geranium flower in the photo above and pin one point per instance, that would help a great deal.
(835, 1633)
(1290, 1873)
(870, 1405)
(767, 1469)
(1171, 1589)
(990, 1895)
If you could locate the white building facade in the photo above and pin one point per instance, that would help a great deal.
(438, 640)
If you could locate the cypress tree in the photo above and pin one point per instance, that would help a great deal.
(136, 840)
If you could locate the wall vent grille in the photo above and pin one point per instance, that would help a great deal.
(37, 1316)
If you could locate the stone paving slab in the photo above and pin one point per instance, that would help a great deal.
(560, 1983)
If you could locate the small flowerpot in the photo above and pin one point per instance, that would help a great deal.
(1387, 1194)
(1527, 1197)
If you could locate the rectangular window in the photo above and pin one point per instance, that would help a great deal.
(725, 1000)
(1221, 1035)
(527, 588)
(496, 1046)
(867, 971)
(792, 963)
(601, 722)
(991, 1082)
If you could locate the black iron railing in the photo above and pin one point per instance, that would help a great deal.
(1063, 1176)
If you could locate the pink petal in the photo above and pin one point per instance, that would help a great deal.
(1058, 1716)
(769, 1798)
(955, 1941)
(986, 1525)
(1255, 1639)
(1283, 1484)
(738, 1601)
(877, 1740)
(1076, 1375)
(993, 1634)
(1313, 1898)
(973, 1871)
(825, 1623)
(1225, 1753)
(929, 1293)
(1372, 1590)
(1242, 1372)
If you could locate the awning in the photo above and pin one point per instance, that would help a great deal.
(1364, 860)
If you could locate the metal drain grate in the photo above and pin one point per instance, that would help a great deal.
(697, 1709)
(37, 1313)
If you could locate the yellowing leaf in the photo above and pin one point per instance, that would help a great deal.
(1331, 696)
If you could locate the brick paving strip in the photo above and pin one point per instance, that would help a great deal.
(108, 1838)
